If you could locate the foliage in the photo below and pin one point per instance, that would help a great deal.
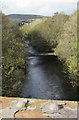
(44, 35)
(59, 34)
(67, 48)
(13, 58)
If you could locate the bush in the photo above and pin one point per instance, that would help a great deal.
(67, 48)
(14, 58)
(44, 35)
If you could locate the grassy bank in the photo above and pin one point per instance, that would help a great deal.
(13, 58)
(58, 34)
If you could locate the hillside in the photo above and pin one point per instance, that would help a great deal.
(26, 17)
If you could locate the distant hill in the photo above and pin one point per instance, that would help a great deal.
(21, 17)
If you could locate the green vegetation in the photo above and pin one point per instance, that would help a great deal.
(47, 32)
(57, 34)
(13, 58)
(67, 48)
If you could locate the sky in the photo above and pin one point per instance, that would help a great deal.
(40, 7)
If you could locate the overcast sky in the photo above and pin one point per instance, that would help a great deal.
(41, 7)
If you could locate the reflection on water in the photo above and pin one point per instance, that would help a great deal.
(45, 80)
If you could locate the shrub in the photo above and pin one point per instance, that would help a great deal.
(14, 58)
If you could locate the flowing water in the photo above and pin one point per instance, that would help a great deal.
(46, 80)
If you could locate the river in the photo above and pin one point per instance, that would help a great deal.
(46, 80)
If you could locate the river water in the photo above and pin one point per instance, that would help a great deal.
(46, 80)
